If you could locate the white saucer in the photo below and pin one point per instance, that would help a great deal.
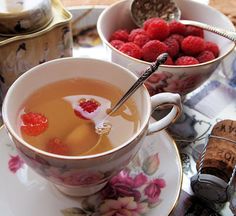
(25, 193)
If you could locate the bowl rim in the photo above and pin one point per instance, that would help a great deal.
(134, 136)
(101, 35)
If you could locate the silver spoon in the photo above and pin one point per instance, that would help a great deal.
(103, 127)
(141, 10)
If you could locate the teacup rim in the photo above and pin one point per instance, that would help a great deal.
(99, 24)
(8, 126)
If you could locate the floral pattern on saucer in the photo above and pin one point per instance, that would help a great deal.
(142, 188)
(131, 192)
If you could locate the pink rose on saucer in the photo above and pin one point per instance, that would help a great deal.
(153, 190)
(124, 185)
(123, 206)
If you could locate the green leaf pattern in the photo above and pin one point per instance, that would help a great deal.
(151, 164)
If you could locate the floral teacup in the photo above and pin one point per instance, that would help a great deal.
(84, 175)
(181, 79)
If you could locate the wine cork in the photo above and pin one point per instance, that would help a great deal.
(220, 156)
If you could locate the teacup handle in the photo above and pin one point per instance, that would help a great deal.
(165, 99)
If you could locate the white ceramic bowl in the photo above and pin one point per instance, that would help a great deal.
(171, 78)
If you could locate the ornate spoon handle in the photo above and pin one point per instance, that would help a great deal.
(225, 33)
(153, 67)
(103, 127)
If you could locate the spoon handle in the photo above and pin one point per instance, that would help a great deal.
(147, 73)
(225, 33)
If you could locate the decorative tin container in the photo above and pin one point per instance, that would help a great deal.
(22, 52)
(24, 16)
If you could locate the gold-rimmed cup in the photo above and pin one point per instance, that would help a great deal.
(84, 175)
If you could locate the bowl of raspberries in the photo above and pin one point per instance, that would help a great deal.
(194, 54)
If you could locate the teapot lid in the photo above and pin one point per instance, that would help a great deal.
(24, 16)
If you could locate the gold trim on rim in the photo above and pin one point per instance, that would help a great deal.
(181, 172)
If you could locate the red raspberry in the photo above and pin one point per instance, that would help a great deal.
(177, 37)
(148, 21)
(136, 32)
(56, 146)
(158, 29)
(213, 47)
(152, 49)
(169, 61)
(194, 31)
(186, 60)
(132, 50)
(180, 54)
(193, 45)
(117, 43)
(141, 39)
(173, 46)
(121, 34)
(205, 56)
(87, 109)
(33, 124)
(177, 28)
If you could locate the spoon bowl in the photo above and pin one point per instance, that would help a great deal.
(141, 10)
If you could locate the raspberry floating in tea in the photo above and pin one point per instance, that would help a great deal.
(56, 146)
(33, 124)
(60, 117)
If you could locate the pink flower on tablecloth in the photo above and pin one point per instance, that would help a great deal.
(153, 190)
(123, 206)
(15, 163)
(124, 185)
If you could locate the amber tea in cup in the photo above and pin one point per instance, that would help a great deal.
(69, 110)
